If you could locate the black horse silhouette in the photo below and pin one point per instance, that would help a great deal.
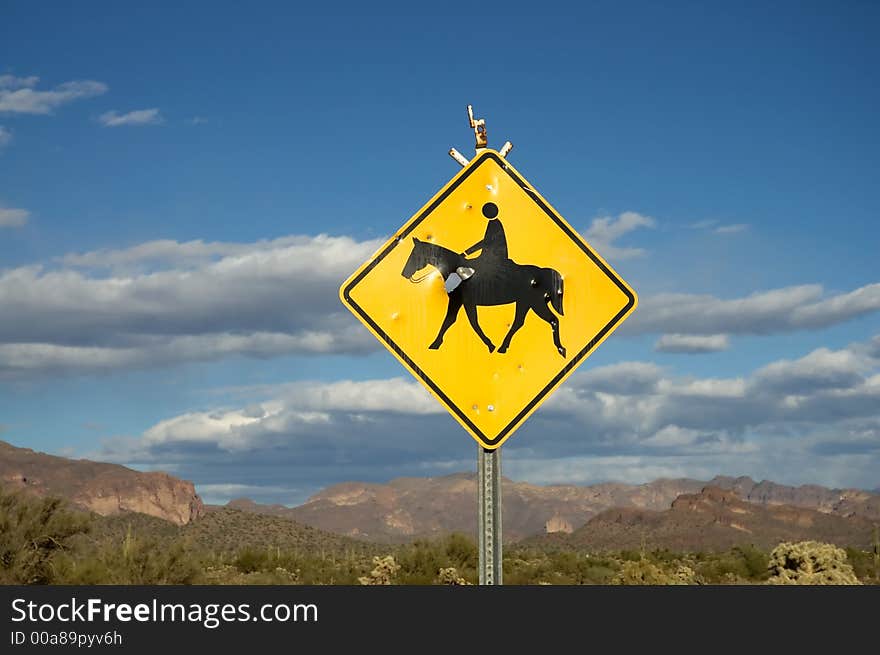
(530, 287)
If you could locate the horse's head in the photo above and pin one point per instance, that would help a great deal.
(416, 260)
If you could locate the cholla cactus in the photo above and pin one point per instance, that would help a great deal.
(450, 576)
(684, 575)
(641, 572)
(383, 573)
(810, 562)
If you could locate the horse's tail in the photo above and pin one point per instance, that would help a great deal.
(556, 292)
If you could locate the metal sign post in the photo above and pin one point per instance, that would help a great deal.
(489, 493)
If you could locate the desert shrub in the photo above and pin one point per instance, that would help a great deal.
(755, 561)
(450, 576)
(133, 560)
(864, 565)
(274, 565)
(641, 572)
(421, 560)
(461, 551)
(809, 563)
(529, 566)
(646, 572)
(250, 560)
(33, 533)
(383, 573)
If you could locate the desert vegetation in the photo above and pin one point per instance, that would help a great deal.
(42, 541)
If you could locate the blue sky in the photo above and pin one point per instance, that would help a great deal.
(183, 189)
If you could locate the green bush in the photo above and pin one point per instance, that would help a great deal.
(134, 560)
(33, 533)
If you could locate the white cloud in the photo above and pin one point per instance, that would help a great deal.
(27, 358)
(713, 225)
(222, 493)
(821, 369)
(10, 217)
(705, 388)
(184, 302)
(604, 231)
(660, 425)
(13, 82)
(169, 252)
(838, 308)
(692, 343)
(163, 302)
(136, 117)
(624, 378)
(391, 395)
(5, 137)
(768, 312)
(18, 95)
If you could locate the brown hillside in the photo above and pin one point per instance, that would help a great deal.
(408, 508)
(105, 489)
(714, 519)
(229, 530)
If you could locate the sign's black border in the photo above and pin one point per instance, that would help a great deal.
(473, 166)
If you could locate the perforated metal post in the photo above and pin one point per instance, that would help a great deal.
(489, 493)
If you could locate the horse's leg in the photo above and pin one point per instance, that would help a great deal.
(451, 314)
(521, 310)
(542, 310)
(471, 310)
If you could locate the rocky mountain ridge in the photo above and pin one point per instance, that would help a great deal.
(713, 519)
(407, 508)
(105, 489)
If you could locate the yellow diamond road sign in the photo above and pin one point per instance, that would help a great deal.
(489, 298)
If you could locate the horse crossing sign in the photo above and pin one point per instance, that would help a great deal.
(537, 299)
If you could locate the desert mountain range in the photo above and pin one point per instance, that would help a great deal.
(673, 513)
(407, 508)
(713, 519)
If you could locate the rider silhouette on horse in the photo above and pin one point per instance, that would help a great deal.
(493, 246)
(489, 279)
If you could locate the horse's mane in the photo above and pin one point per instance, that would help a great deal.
(436, 250)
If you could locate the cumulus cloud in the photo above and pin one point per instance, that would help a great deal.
(22, 359)
(604, 231)
(136, 117)
(692, 343)
(769, 312)
(169, 252)
(186, 302)
(821, 369)
(164, 302)
(632, 421)
(10, 217)
(18, 95)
